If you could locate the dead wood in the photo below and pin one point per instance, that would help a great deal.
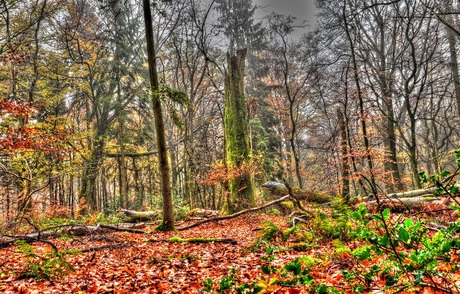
(279, 189)
(121, 229)
(139, 216)
(202, 213)
(406, 203)
(70, 229)
(97, 248)
(284, 198)
(196, 240)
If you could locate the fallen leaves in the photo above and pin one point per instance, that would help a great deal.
(126, 262)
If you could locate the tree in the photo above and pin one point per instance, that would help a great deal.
(243, 33)
(165, 178)
(292, 75)
(241, 191)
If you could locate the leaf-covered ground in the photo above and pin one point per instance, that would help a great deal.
(143, 266)
(148, 263)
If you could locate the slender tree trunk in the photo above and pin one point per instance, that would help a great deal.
(451, 37)
(360, 99)
(391, 160)
(165, 177)
(241, 191)
(345, 163)
(454, 66)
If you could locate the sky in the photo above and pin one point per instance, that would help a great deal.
(301, 9)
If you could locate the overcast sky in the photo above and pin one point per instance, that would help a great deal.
(301, 9)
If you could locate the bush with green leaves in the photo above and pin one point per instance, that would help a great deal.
(412, 256)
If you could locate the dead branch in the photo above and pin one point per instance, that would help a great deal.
(121, 229)
(196, 240)
(97, 248)
(284, 198)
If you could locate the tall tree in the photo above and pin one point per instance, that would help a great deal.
(237, 21)
(165, 176)
(241, 191)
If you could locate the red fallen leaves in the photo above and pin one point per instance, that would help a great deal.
(163, 267)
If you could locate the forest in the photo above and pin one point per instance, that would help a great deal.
(191, 146)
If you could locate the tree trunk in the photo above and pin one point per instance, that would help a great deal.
(345, 164)
(88, 189)
(360, 99)
(453, 57)
(165, 177)
(241, 191)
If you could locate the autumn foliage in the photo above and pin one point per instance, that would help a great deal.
(21, 132)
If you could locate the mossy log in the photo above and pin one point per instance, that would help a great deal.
(279, 189)
(202, 213)
(139, 216)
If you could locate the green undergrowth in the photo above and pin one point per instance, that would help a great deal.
(375, 251)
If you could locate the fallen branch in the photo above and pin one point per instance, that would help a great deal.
(122, 229)
(53, 232)
(284, 198)
(196, 240)
(97, 248)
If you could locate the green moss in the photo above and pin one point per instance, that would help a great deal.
(164, 227)
(240, 187)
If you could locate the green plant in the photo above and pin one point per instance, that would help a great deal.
(443, 181)
(46, 267)
(293, 274)
(413, 255)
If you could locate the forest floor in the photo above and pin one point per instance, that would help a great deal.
(151, 263)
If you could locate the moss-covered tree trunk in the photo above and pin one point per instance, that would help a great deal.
(241, 191)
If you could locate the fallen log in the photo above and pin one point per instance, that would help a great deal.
(202, 213)
(413, 193)
(69, 229)
(279, 189)
(406, 203)
(284, 198)
(139, 216)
